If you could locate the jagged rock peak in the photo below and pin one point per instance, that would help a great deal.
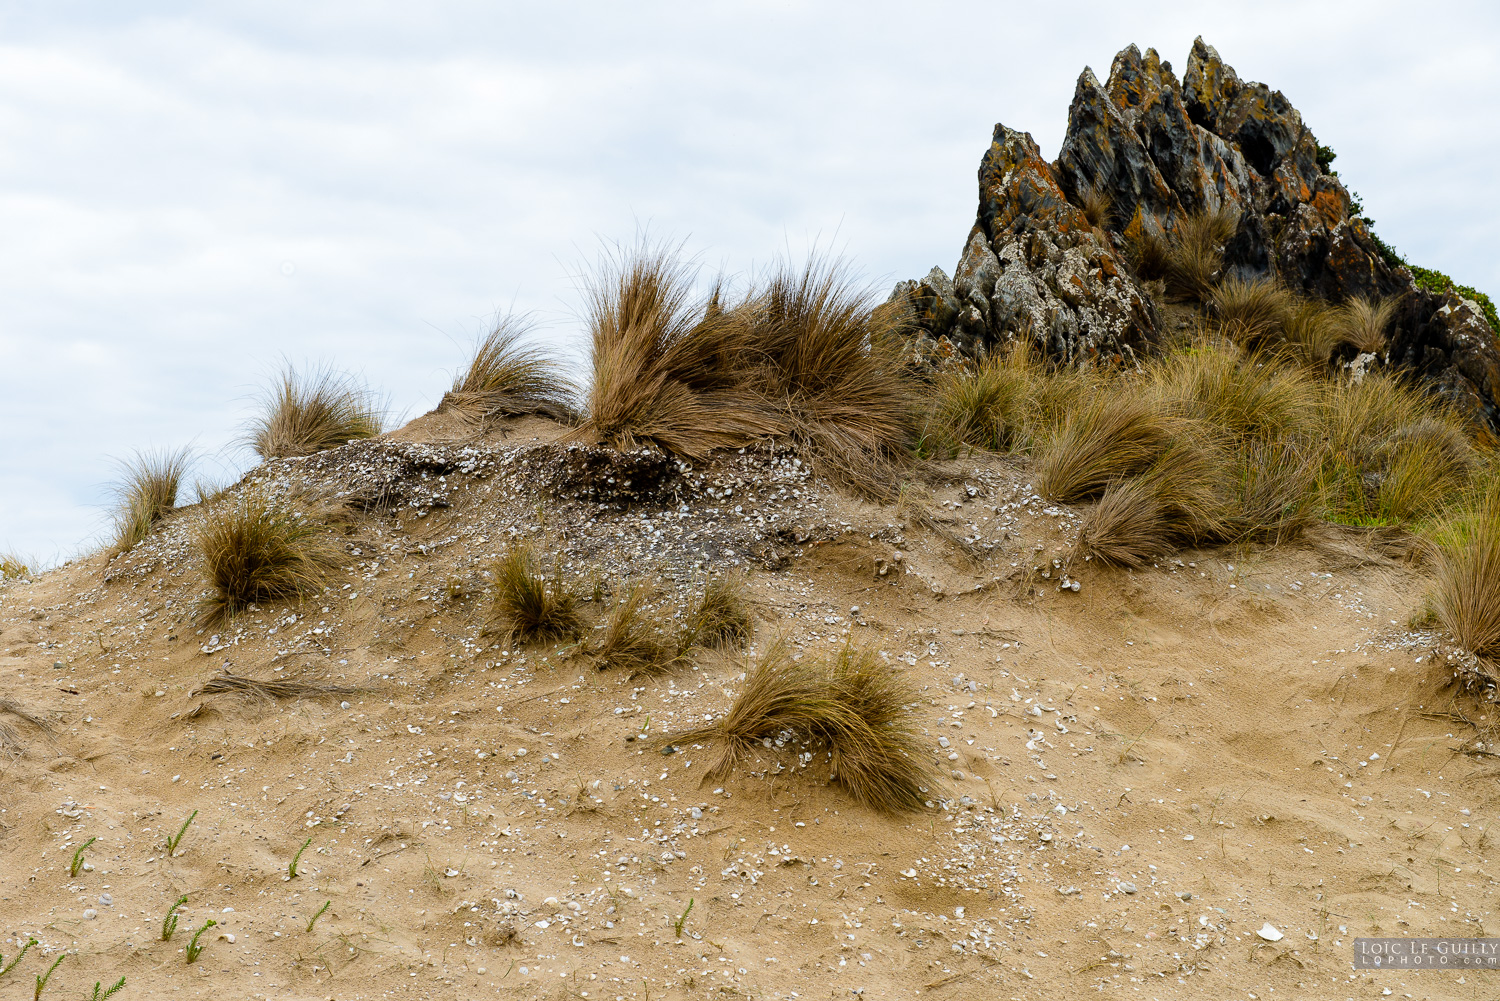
(1046, 258)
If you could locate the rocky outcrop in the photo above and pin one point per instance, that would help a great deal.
(1046, 259)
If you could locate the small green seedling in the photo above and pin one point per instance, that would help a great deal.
(194, 950)
(291, 870)
(315, 917)
(17, 958)
(169, 923)
(77, 863)
(677, 926)
(176, 840)
(41, 982)
(100, 993)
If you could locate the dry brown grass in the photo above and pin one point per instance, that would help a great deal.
(1272, 496)
(507, 378)
(306, 413)
(146, 493)
(1467, 594)
(14, 567)
(1253, 313)
(1243, 396)
(526, 606)
(1174, 503)
(257, 550)
(1118, 433)
(666, 368)
(1393, 453)
(1147, 247)
(1363, 323)
(275, 688)
(830, 363)
(1096, 204)
(12, 743)
(718, 619)
(631, 643)
(853, 706)
(986, 407)
(1309, 333)
(1195, 252)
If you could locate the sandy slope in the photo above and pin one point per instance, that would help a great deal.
(1136, 776)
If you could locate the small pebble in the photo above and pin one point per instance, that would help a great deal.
(1127, 887)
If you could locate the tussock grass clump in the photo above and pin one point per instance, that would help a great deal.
(718, 619)
(630, 642)
(1116, 434)
(507, 378)
(1272, 495)
(983, 408)
(1147, 247)
(1173, 503)
(853, 705)
(528, 607)
(1309, 333)
(1363, 322)
(146, 493)
(306, 413)
(257, 550)
(1096, 204)
(1242, 396)
(13, 567)
(1467, 596)
(1394, 455)
(667, 370)
(1195, 252)
(803, 353)
(831, 364)
(1253, 313)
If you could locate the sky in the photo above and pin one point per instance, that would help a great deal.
(193, 194)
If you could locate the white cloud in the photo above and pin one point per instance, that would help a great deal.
(420, 165)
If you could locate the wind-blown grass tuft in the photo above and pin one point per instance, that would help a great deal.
(1195, 252)
(1363, 323)
(1253, 313)
(718, 619)
(830, 363)
(1467, 595)
(507, 378)
(1173, 503)
(1115, 435)
(853, 705)
(630, 643)
(528, 607)
(665, 367)
(147, 493)
(306, 413)
(983, 408)
(256, 549)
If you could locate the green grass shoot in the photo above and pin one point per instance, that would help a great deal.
(314, 919)
(291, 869)
(169, 923)
(176, 839)
(100, 993)
(77, 863)
(41, 981)
(682, 919)
(7, 967)
(194, 950)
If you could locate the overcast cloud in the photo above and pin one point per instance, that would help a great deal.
(190, 192)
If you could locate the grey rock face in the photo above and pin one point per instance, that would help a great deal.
(1145, 149)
